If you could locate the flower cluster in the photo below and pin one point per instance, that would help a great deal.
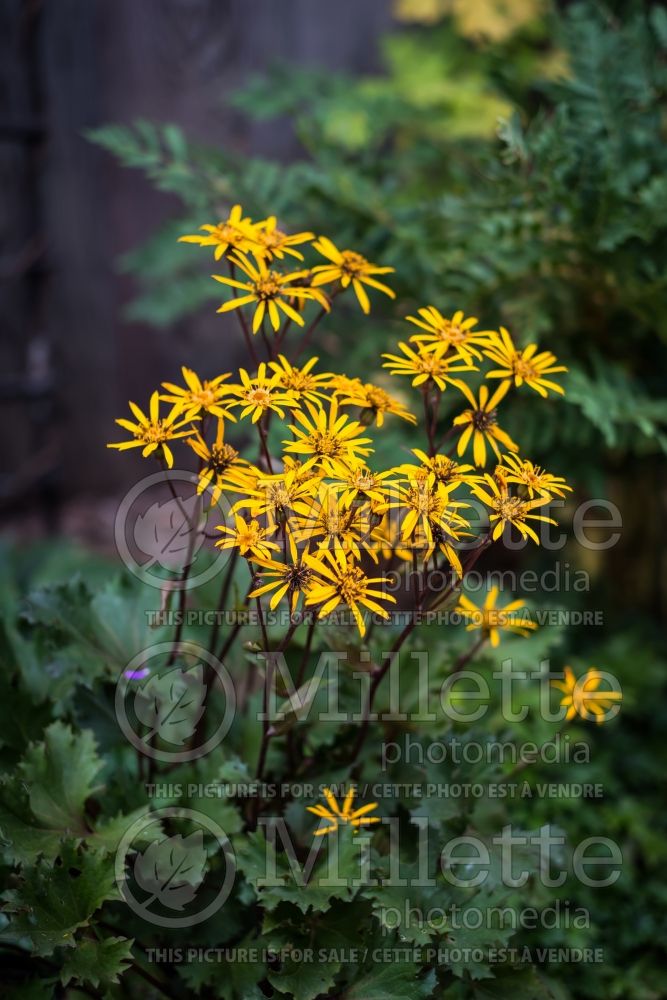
(319, 525)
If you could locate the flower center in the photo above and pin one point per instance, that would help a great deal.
(425, 502)
(206, 397)
(267, 287)
(298, 381)
(523, 368)
(325, 444)
(483, 419)
(222, 457)
(443, 468)
(274, 239)
(154, 434)
(297, 577)
(250, 535)
(229, 234)
(351, 585)
(258, 396)
(511, 508)
(377, 398)
(353, 264)
(279, 495)
(364, 480)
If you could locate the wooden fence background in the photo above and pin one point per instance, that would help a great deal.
(68, 361)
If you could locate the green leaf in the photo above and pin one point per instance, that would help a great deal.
(392, 981)
(258, 861)
(54, 899)
(405, 909)
(97, 962)
(231, 980)
(24, 840)
(60, 772)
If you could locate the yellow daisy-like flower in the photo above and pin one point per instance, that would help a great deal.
(582, 697)
(273, 242)
(456, 332)
(198, 395)
(427, 365)
(345, 816)
(481, 423)
(270, 290)
(325, 435)
(374, 402)
(151, 433)
(233, 233)
(326, 521)
(523, 366)
(337, 816)
(492, 620)
(261, 393)
(302, 382)
(430, 518)
(536, 480)
(507, 509)
(249, 537)
(349, 267)
(289, 579)
(358, 483)
(338, 580)
(446, 470)
(221, 466)
(278, 497)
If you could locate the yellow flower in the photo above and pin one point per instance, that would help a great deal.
(325, 435)
(583, 698)
(198, 395)
(349, 267)
(536, 480)
(430, 518)
(234, 232)
(446, 470)
(427, 365)
(374, 402)
(507, 509)
(279, 496)
(358, 483)
(301, 382)
(221, 465)
(330, 524)
(481, 422)
(273, 242)
(337, 816)
(271, 290)
(151, 432)
(291, 579)
(523, 366)
(338, 580)
(456, 332)
(249, 537)
(493, 620)
(259, 394)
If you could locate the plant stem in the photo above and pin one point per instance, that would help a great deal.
(407, 631)
(265, 446)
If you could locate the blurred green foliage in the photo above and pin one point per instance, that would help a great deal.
(523, 181)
